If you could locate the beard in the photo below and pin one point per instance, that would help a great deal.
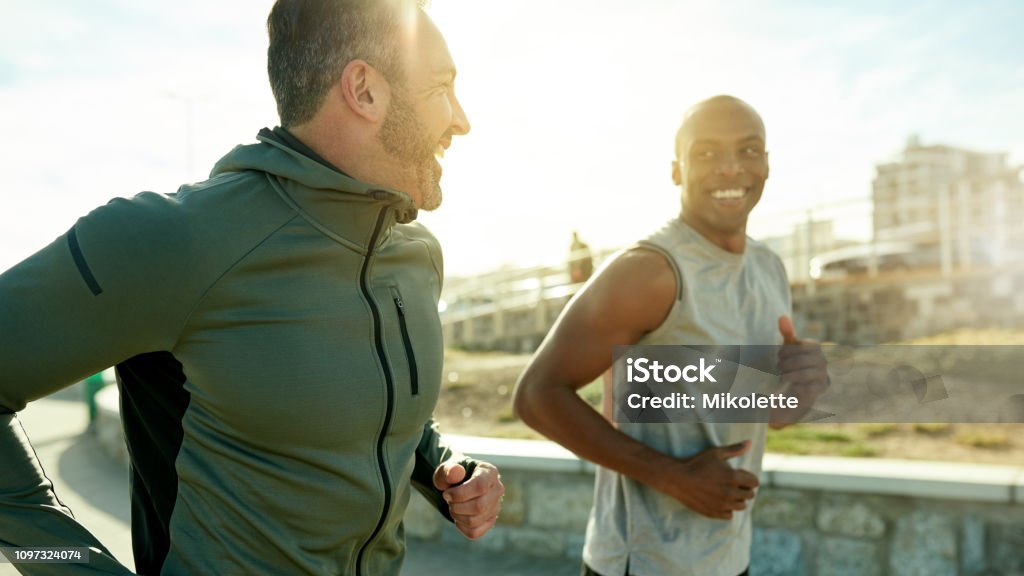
(405, 139)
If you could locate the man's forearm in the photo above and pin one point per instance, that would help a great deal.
(31, 515)
(561, 415)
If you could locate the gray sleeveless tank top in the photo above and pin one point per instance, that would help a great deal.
(722, 298)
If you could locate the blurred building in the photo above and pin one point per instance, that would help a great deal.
(796, 249)
(966, 205)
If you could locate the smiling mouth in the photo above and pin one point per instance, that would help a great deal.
(729, 194)
(443, 145)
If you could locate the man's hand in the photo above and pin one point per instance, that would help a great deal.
(706, 484)
(474, 503)
(803, 373)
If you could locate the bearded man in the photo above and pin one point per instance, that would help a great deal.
(275, 328)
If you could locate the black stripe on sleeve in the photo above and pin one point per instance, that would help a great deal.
(83, 266)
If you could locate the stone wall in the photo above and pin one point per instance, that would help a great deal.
(826, 533)
(813, 516)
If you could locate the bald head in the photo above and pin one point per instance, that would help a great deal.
(713, 116)
(721, 166)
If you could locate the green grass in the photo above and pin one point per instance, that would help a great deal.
(821, 439)
(593, 392)
(859, 451)
(988, 441)
(776, 442)
(877, 430)
(932, 429)
(813, 433)
(507, 414)
(832, 436)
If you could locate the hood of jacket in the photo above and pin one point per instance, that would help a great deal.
(307, 180)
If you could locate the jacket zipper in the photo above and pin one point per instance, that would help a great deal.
(379, 344)
(413, 372)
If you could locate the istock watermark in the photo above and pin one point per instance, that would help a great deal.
(642, 369)
(887, 383)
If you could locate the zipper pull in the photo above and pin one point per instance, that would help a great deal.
(400, 305)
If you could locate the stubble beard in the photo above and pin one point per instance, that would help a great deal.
(405, 139)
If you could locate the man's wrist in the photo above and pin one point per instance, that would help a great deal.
(665, 473)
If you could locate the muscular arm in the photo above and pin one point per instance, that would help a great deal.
(629, 298)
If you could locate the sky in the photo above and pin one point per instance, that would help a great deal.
(574, 105)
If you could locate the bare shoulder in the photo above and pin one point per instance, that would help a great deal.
(640, 271)
(637, 288)
(644, 264)
(628, 297)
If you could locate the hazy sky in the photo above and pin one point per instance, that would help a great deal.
(573, 103)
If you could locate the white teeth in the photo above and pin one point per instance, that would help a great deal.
(439, 152)
(728, 194)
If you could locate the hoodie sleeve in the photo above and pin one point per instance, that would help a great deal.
(431, 452)
(115, 285)
(103, 292)
(31, 515)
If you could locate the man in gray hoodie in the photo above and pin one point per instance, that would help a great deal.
(275, 328)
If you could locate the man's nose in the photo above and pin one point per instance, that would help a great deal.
(460, 123)
(729, 165)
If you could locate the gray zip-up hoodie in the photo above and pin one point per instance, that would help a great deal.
(279, 357)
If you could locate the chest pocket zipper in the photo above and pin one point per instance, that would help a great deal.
(410, 355)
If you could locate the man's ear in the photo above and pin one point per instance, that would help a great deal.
(365, 90)
(767, 165)
(677, 176)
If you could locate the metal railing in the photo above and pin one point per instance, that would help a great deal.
(952, 233)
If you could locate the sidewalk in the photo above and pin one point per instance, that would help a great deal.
(95, 487)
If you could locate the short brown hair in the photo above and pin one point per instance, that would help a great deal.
(311, 42)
